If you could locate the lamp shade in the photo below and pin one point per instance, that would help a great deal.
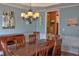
(23, 14)
(36, 14)
(26, 16)
(29, 13)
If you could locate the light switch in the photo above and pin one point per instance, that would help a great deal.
(63, 29)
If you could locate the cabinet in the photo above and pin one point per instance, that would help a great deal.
(17, 40)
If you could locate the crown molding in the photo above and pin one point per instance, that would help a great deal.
(49, 8)
(60, 6)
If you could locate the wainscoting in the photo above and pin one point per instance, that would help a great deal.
(70, 44)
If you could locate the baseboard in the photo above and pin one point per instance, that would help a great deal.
(67, 53)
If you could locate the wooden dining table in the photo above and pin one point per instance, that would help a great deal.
(30, 48)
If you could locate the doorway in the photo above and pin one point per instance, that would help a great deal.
(52, 22)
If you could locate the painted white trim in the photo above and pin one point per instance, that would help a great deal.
(59, 22)
(76, 53)
(56, 8)
(11, 5)
(51, 10)
(22, 7)
(70, 6)
(70, 44)
(46, 23)
(1, 53)
(47, 9)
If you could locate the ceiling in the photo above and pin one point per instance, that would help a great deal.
(38, 4)
(24, 5)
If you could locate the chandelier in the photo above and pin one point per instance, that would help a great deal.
(30, 15)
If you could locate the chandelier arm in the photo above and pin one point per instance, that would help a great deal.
(30, 6)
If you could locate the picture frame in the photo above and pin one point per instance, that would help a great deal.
(72, 22)
(8, 21)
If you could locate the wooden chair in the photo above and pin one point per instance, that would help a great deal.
(54, 49)
(32, 38)
(20, 41)
(57, 48)
(50, 47)
(37, 35)
(41, 52)
(6, 51)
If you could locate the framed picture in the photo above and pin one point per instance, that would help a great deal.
(8, 20)
(72, 22)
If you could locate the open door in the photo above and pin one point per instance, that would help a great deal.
(52, 22)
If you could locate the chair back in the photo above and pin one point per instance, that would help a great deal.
(32, 38)
(42, 52)
(57, 48)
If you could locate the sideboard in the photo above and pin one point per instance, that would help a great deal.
(17, 40)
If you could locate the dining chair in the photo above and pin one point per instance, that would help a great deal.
(50, 48)
(6, 51)
(57, 48)
(37, 35)
(41, 52)
(32, 38)
(20, 41)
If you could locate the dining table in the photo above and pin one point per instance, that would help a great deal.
(30, 48)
